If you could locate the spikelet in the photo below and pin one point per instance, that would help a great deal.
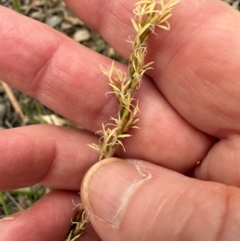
(148, 15)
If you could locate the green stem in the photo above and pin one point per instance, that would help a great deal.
(4, 205)
(17, 6)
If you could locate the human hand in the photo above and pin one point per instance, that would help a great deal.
(188, 102)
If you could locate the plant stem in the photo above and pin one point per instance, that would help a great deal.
(4, 204)
(17, 6)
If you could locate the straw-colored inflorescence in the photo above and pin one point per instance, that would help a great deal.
(148, 15)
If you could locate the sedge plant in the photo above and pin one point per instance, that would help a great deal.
(148, 15)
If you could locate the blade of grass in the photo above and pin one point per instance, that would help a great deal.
(14, 201)
(4, 204)
(13, 100)
(40, 112)
(17, 6)
(29, 114)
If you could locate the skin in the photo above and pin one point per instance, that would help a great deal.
(189, 114)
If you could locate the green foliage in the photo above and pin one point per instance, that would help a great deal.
(17, 6)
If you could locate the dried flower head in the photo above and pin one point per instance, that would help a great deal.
(148, 15)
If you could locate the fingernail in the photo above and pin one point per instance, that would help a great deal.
(109, 185)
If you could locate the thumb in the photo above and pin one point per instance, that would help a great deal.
(131, 200)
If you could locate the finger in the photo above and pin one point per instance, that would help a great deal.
(51, 79)
(48, 219)
(163, 205)
(222, 163)
(55, 156)
(111, 18)
(194, 66)
(41, 62)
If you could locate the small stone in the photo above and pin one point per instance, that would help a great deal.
(53, 21)
(72, 20)
(111, 52)
(37, 15)
(75, 21)
(27, 2)
(65, 25)
(82, 35)
(2, 111)
(39, 3)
